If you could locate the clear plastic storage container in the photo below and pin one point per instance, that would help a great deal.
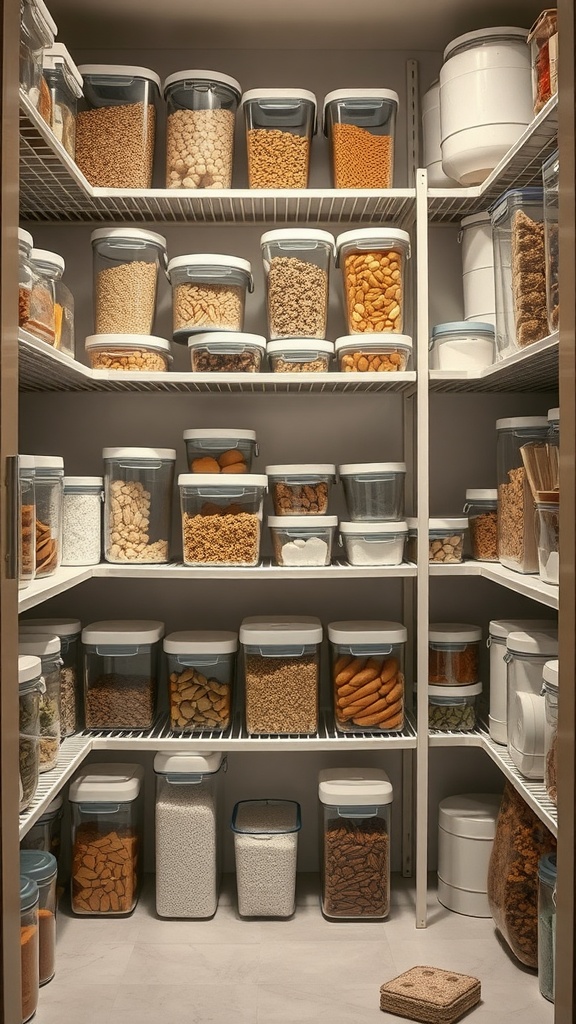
(42, 868)
(188, 831)
(373, 543)
(279, 124)
(221, 519)
(550, 691)
(547, 875)
(517, 548)
(42, 322)
(300, 355)
(367, 671)
(265, 850)
(554, 427)
(220, 449)
(550, 179)
(116, 125)
(466, 830)
(526, 655)
(478, 268)
(26, 521)
(208, 293)
(121, 672)
(499, 630)
(481, 508)
(66, 88)
(82, 520)
(548, 530)
(462, 345)
(106, 803)
(51, 267)
(432, 139)
(302, 540)
(297, 270)
(47, 648)
(374, 355)
(68, 632)
(281, 656)
(453, 653)
(520, 269)
(45, 833)
(140, 353)
(373, 264)
(543, 41)
(453, 708)
(201, 108)
(446, 540)
(223, 352)
(374, 490)
(48, 489)
(29, 947)
(301, 490)
(30, 689)
(138, 485)
(355, 830)
(360, 125)
(201, 669)
(126, 262)
(26, 279)
(37, 33)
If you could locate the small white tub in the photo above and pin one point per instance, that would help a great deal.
(373, 543)
(478, 268)
(462, 345)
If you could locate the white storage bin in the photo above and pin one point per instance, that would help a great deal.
(208, 293)
(266, 848)
(466, 830)
(526, 655)
(226, 352)
(373, 543)
(478, 268)
(220, 449)
(462, 345)
(374, 490)
(431, 139)
(302, 540)
(500, 630)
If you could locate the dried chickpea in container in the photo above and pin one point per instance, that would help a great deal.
(201, 109)
(279, 128)
(360, 125)
(373, 355)
(128, 352)
(373, 269)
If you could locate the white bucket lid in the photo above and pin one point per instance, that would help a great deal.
(123, 70)
(238, 338)
(363, 468)
(480, 35)
(288, 523)
(550, 673)
(448, 524)
(26, 462)
(471, 815)
(361, 529)
(107, 783)
(48, 462)
(543, 642)
(298, 235)
(55, 627)
(482, 494)
(139, 453)
(454, 633)
(520, 422)
(53, 259)
(300, 345)
(455, 691)
(201, 641)
(29, 668)
(123, 631)
(500, 628)
(138, 234)
(201, 75)
(354, 787)
(226, 433)
(367, 631)
(213, 259)
(527, 723)
(129, 341)
(38, 644)
(359, 342)
(474, 219)
(553, 415)
(303, 469)
(56, 55)
(26, 237)
(280, 630)
(83, 481)
(184, 763)
(360, 94)
(222, 481)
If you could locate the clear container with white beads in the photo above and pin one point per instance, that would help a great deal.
(82, 520)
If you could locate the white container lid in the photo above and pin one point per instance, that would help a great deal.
(378, 236)
(26, 461)
(29, 668)
(129, 233)
(520, 422)
(288, 523)
(128, 341)
(26, 237)
(553, 415)
(55, 627)
(470, 815)
(121, 70)
(53, 259)
(540, 642)
(412, 523)
(367, 631)
(237, 338)
(550, 673)
(123, 631)
(184, 763)
(362, 529)
(45, 14)
(279, 94)
(107, 783)
(300, 345)
(474, 219)
(48, 462)
(359, 342)
(203, 76)
(448, 524)
(482, 494)
(38, 644)
(363, 468)
(359, 94)
(222, 481)
(201, 641)
(527, 723)
(354, 787)
(297, 235)
(455, 691)
(83, 481)
(56, 55)
(500, 628)
(212, 259)
(485, 34)
(280, 630)
(454, 633)
(303, 469)
(232, 433)
(139, 453)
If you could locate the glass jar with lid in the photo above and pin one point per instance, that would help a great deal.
(68, 631)
(42, 322)
(37, 32)
(26, 520)
(42, 868)
(481, 508)
(121, 670)
(65, 84)
(48, 488)
(550, 691)
(516, 523)
(29, 947)
(45, 833)
(360, 125)
(51, 267)
(201, 108)
(30, 688)
(47, 648)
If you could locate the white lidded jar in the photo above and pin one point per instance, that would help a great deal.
(500, 630)
(431, 139)
(526, 655)
(82, 520)
(466, 830)
(462, 346)
(485, 100)
(266, 849)
(478, 268)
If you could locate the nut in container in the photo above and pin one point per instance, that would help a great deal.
(373, 264)
(367, 668)
(201, 678)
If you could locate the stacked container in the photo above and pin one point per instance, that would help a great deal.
(547, 877)
(26, 520)
(65, 84)
(526, 655)
(302, 532)
(383, 353)
(375, 257)
(300, 355)
(453, 676)
(42, 868)
(208, 294)
(47, 648)
(30, 688)
(499, 630)
(138, 484)
(516, 523)
(266, 849)
(374, 494)
(520, 269)
(462, 345)
(367, 671)
(121, 669)
(201, 679)
(297, 270)
(45, 833)
(48, 489)
(478, 268)
(550, 691)
(201, 107)
(280, 124)
(221, 517)
(432, 139)
(360, 125)
(220, 449)
(226, 352)
(82, 520)
(481, 508)
(68, 632)
(50, 268)
(466, 830)
(126, 263)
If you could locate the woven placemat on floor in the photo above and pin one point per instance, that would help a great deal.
(430, 995)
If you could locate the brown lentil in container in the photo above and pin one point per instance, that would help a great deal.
(115, 145)
(297, 298)
(281, 695)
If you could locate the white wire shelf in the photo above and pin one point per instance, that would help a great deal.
(521, 166)
(70, 756)
(43, 589)
(534, 368)
(527, 585)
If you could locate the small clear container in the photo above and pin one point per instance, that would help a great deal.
(356, 806)
(453, 708)
(526, 656)
(297, 271)
(300, 355)
(462, 345)
(543, 42)
(374, 491)
(520, 270)
(30, 689)
(453, 653)
(82, 520)
(548, 528)
(360, 125)
(47, 648)
(373, 355)
(37, 33)
(208, 293)
(265, 851)
(66, 88)
(68, 631)
(281, 674)
(106, 804)
(550, 179)
(481, 508)
(116, 125)
(126, 263)
(134, 353)
(201, 666)
(29, 947)
(45, 833)
(373, 543)
(554, 427)
(279, 124)
(121, 672)
(517, 547)
(550, 691)
(26, 278)
(367, 670)
(221, 519)
(138, 485)
(42, 868)
(412, 540)
(301, 489)
(302, 540)
(223, 352)
(188, 833)
(201, 108)
(51, 266)
(446, 540)
(220, 449)
(49, 489)
(547, 875)
(26, 521)
(42, 322)
(373, 264)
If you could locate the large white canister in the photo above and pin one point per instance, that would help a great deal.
(478, 268)
(466, 830)
(431, 139)
(485, 100)
(499, 630)
(526, 655)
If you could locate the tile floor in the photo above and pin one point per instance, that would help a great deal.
(142, 970)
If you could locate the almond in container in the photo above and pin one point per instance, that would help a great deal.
(373, 264)
(373, 355)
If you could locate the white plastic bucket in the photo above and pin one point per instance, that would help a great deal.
(478, 268)
(431, 139)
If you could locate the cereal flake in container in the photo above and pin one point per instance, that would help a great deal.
(373, 264)
(453, 653)
(201, 108)
(51, 267)
(481, 508)
(360, 125)
(66, 88)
